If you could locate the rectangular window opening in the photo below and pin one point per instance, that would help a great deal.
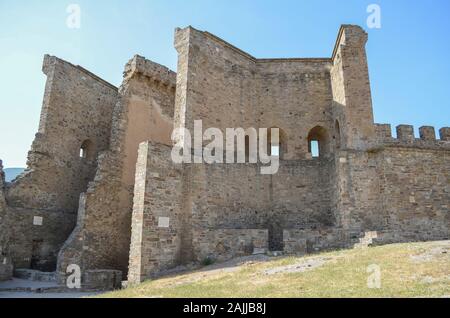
(315, 148)
(275, 150)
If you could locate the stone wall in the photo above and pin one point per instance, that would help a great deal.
(416, 194)
(364, 181)
(227, 88)
(214, 216)
(139, 210)
(218, 245)
(298, 241)
(77, 107)
(415, 186)
(144, 111)
(401, 186)
(352, 101)
(238, 196)
(398, 190)
(42, 202)
(157, 222)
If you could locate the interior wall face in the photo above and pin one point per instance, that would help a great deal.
(144, 111)
(150, 114)
(226, 88)
(294, 96)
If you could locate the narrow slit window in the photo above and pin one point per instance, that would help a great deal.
(86, 150)
(315, 149)
(275, 150)
(318, 142)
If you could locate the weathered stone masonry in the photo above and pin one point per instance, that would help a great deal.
(124, 205)
(42, 203)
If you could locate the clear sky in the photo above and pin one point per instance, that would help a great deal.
(408, 56)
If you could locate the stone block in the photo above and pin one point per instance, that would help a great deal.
(102, 280)
(405, 133)
(427, 133)
(444, 133)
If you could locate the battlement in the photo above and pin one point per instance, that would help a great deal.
(157, 72)
(406, 137)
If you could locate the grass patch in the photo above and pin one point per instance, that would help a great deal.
(406, 270)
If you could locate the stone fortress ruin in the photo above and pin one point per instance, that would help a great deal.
(102, 192)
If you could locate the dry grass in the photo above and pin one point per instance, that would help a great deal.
(407, 270)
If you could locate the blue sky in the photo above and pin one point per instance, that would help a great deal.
(408, 57)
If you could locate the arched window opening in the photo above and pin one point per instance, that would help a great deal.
(86, 150)
(337, 134)
(278, 149)
(318, 142)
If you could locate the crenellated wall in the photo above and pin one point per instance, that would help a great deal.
(400, 187)
(415, 185)
(406, 137)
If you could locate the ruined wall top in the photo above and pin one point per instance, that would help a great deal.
(157, 72)
(50, 61)
(349, 34)
(74, 127)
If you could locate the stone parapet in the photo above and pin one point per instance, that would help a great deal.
(405, 137)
